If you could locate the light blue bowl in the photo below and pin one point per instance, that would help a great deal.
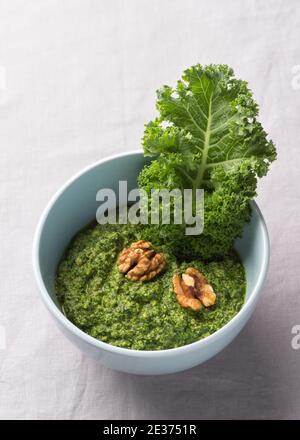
(72, 208)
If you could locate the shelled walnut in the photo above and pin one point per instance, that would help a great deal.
(140, 262)
(193, 290)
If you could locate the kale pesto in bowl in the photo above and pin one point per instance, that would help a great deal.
(150, 298)
(68, 213)
(97, 298)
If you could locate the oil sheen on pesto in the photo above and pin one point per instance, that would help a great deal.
(140, 315)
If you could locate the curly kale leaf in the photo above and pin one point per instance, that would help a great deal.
(207, 136)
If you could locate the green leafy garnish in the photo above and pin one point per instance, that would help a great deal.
(207, 136)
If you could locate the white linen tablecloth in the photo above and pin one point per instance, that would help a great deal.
(77, 83)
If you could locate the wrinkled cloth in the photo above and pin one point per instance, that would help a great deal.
(77, 83)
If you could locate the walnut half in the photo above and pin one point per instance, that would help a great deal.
(192, 290)
(140, 262)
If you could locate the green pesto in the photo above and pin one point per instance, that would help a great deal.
(140, 315)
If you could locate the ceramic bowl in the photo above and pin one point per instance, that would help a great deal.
(72, 208)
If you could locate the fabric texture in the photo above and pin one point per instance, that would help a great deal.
(77, 83)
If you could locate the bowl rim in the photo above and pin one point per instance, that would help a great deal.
(65, 322)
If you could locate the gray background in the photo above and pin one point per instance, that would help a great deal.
(77, 83)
